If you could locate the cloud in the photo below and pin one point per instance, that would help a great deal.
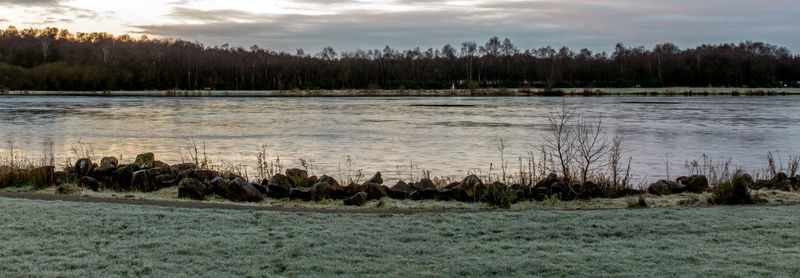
(593, 24)
(30, 2)
(182, 13)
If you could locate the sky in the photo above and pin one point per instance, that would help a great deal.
(285, 25)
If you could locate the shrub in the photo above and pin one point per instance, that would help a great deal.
(500, 197)
(734, 191)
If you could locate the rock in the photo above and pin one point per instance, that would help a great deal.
(89, 182)
(666, 187)
(191, 188)
(422, 184)
(400, 190)
(374, 191)
(159, 164)
(109, 162)
(145, 160)
(217, 186)
(321, 191)
(279, 186)
(523, 192)
(312, 180)
(83, 167)
(436, 193)
(297, 177)
(359, 199)
(471, 189)
(260, 188)
(694, 183)
(141, 181)
(165, 180)
(552, 185)
(123, 176)
(375, 179)
(302, 193)
(239, 190)
(331, 181)
(59, 177)
(781, 181)
(205, 175)
(177, 168)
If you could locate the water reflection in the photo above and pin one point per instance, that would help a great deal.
(448, 136)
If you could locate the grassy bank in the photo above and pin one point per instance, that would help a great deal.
(48, 239)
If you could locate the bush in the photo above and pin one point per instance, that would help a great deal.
(500, 196)
(733, 192)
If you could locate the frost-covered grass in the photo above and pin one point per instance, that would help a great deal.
(54, 238)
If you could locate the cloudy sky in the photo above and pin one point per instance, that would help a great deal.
(349, 24)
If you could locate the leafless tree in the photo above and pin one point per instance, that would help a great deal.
(591, 143)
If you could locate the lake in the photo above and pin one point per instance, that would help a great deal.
(447, 135)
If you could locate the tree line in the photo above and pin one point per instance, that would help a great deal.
(53, 59)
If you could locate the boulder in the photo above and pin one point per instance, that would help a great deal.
(694, 183)
(260, 188)
(302, 193)
(312, 180)
(321, 191)
(279, 186)
(123, 176)
(165, 180)
(375, 179)
(435, 193)
(89, 182)
(666, 187)
(177, 168)
(522, 192)
(330, 181)
(109, 161)
(297, 177)
(239, 190)
(145, 160)
(471, 189)
(191, 188)
(141, 181)
(205, 175)
(217, 186)
(552, 185)
(83, 167)
(358, 199)
(374, 191)
(422, 184)
(400, 190)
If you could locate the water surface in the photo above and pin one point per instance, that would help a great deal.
(448, 136)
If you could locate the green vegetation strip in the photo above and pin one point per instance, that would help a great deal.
(56, 238)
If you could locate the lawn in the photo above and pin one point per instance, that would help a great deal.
(55, 238)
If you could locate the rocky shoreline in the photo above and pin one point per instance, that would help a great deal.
(146, 174)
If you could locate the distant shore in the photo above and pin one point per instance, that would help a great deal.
(670, 91)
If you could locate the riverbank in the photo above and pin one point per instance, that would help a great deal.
(671, 91)
(43, 238)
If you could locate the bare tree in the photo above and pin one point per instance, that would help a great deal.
(561, 141)
(591, 144)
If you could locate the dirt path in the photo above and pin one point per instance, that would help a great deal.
(207, 205)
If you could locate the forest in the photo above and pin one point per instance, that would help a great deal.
(58, 60)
